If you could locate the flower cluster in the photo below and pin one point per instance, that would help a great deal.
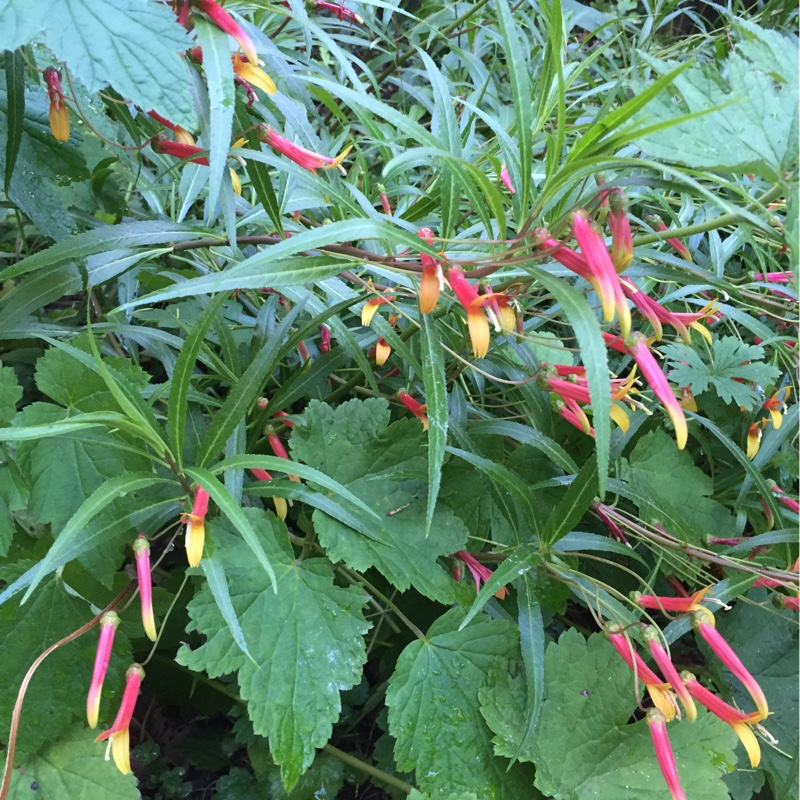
(684, 686)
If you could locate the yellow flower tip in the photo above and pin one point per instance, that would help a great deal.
(59, 121)
(620, 417)
(680, 425)
(195, 541)
(777, 418)
(337, 162)
(687, 400)
(750, 742)
(702, 330)
(624, 316)
(254, 75)
(236, 183)
(424, 420)
(382, 352)
(368, 312)
(183, 136)
(663, 701)
(120, 743)
(281, 506)
(621, 259)
(508, 318)
(93, 709)
(428, 292)
(479, 333)
(753, 440)
(149, 624)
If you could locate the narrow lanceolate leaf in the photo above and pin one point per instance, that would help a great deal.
(436, 400)
(519, 79)
(99, 240)
(95, 419)
(15, 88)
(307, 641)
(434, 710)
(247, 389)
(594, 357)
(218, 69)
(182, 376)
(573, 505)
(214, 569)
(60, 551)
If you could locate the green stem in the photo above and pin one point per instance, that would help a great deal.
(382, 776)
(709, 225)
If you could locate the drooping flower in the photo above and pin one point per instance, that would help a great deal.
(253, 74)
(687, 401)
(181, 134)
(340, 10)
(59, 115)
(473, 303)
(658, 689)
(141, 548)
(739, 721)
(506, 179)
(789, 502)
(614, 530)
(480, 573)
(178, 149)
(703, 623)
(195, 538)
(108, 626)
(281, 506)
(371, 306)
(620, 225)
(776, 405)
(569, 410)
(324, 339)
(680, 248)
(419, 410)
(236, 183)
(382, 351)
(652, 637)
(307, 159)
(119, 733)
(754, 434)
(599, 262)
(775, 277)
(636, 345)
(677, 604)
(666, 758)
(225, 22)
(432, 281)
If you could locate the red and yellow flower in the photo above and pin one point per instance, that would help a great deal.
(59, 115)
(141, 549)
(108, 626)
(195, 537)
(118, 735)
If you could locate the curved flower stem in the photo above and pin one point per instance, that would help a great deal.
(17, 714)
(163, 625)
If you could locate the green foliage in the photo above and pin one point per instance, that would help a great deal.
(306, 640)
(71, 768)
(434, 713)
(384, 466)
(729, 368)
(600, 754)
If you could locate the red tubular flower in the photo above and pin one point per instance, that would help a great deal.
(680, 248)
(657, 650)
(181, 134)
(565, 256)
(324, 339)
(739, 721)
(618, 222)
(574, 414)
(775, 277)
(108, 626)
(307, 159)
(141, 548)
(789, 502)
(419, 410)
(473, 303)
(599, 262)
(195, 537)
(387, 208)
(636, 345)
(225, 22)
(59, 115)
(506, 179)
(703, 623)
(614, 530)
(664, 754)
(278, 449)
(776, 405)
(119, 733)
(432, 281)
(677, 604)
(163, 145)
(480, 573)
(340, 11)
